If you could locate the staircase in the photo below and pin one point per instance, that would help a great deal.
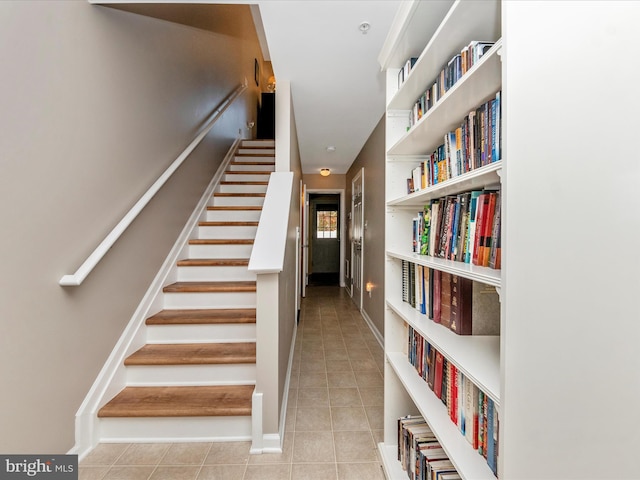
(194, 378)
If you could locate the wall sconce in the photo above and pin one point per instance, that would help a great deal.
(271, 84)
(368, 288)
(325, 172)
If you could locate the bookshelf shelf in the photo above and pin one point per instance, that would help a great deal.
(476, 356)
(482, 177)
(479, 84)
(447, 40)
(469, 463)
(485, 275)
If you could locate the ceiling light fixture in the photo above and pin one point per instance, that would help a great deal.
(364, 27)
(325, 172)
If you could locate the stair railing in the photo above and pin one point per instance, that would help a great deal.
(92, 260)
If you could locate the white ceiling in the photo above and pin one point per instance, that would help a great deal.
(336, 82)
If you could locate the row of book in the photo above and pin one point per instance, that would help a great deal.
(465, 228)
(457, 303)
(420, 453)
(468, 407)
(476, 142)
(404, 72)
(450, 74)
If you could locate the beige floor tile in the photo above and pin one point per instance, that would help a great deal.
(313, 380)
(354, 447)
(280, 471)
(91, 473)
(129, 473)
(341, 379)
(105, 454)
(186, 454)
(183, 472)
(290, 422)
(143, 454)
(378, 436)
(364, 365)
(360, 354)
(373, 396)
(228, 453)
(344, 397)
(222, 472)
(294, 381)
(359, 471)
(313, 447)
(338, 366)
(375, 416)
(335, 354)
(349, 418)
(313, 419)
(369, 379)
(313, 397)
(292, 398)
(312, 366)
(314, 471)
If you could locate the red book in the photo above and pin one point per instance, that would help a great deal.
(481, 208)
(437, 380)
(454, 394)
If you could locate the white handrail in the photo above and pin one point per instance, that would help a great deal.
(267, 255)
(100, 251)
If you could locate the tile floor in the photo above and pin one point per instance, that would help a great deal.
(334, 415)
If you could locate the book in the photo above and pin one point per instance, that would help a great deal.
(471, 412)
(471, 229)
(481, 215)
(491, 435)
(495, 256)
(445, 299)
(405, 281)
(475, 307)
(437, 284)
(438, 374)
(485, 238)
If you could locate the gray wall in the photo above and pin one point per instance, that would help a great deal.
(95, 104)
(372, 158)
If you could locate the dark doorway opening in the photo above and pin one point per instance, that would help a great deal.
(324, 244)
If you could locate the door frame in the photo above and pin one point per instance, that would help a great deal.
(330, 191)
(359, 175)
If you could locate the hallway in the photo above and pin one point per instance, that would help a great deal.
(334, 415)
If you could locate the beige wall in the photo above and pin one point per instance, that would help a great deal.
(372, 157)
(95, 104)
(315, 181)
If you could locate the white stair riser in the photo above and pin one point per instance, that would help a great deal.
(233, 215)
(210, 300)
(227, 232)
(174, 429)
(258, 143)
(198, 333)
(192, 375)
(232, 274)
(220, 251)
(243, 188)
(245, 177)
(247, 167)
(237, 201)
(254, 151)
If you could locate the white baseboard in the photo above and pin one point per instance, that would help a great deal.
(112, 377)
(372, 327)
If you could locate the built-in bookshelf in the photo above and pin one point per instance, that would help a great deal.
(408, 145)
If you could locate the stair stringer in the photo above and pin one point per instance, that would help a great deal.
(112, 377)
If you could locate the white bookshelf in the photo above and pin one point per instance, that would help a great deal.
(477, 357)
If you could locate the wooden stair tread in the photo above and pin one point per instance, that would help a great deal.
(254, 163)
(210, 287)
(193, 354)
(198, 401)
(203, 316)
(243, 183)
(228, 224)
(241, 194)
(255, 154)
(213, 262)
(235, 207)
(221, 241)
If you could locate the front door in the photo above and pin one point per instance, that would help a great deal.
(324, 220)
(357, 213)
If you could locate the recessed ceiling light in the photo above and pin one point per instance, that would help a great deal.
(364, 27)
(331, 148)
